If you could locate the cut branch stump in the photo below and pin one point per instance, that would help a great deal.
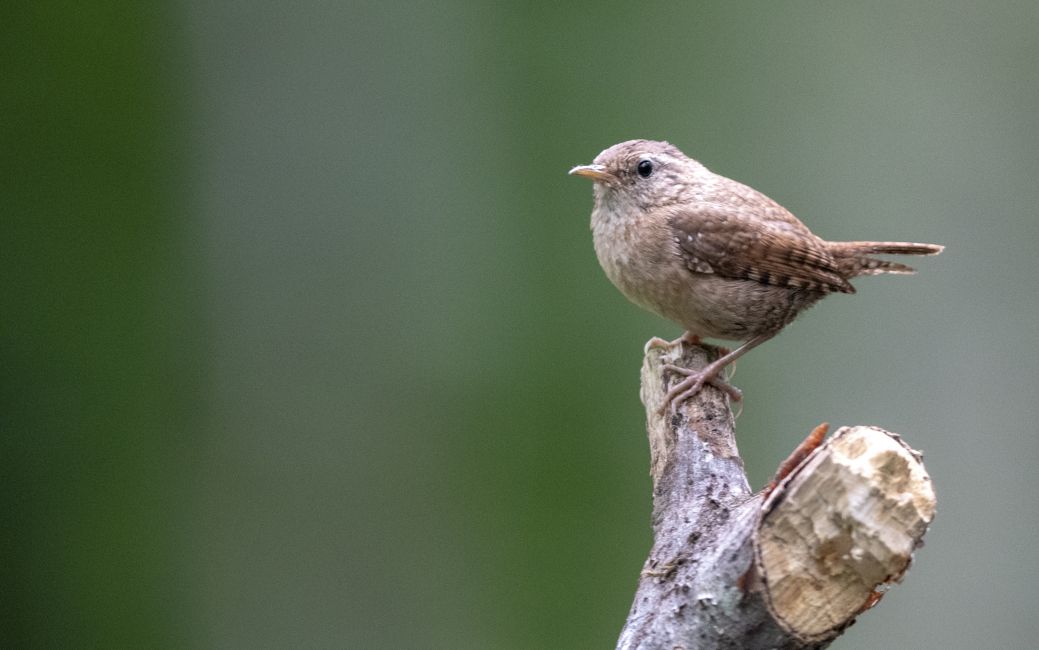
(788, 567)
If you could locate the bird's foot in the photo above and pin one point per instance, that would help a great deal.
(694, 382)
(657, 342)
(688, 338)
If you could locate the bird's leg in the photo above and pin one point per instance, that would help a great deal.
(695, 379)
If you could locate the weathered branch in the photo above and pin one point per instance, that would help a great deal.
(790, 569)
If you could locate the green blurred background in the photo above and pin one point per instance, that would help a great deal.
(304, 343)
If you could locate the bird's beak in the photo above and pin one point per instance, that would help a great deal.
(594, 172)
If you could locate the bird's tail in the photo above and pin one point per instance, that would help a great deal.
(853, 257)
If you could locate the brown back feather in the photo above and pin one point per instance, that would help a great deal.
(735, 244)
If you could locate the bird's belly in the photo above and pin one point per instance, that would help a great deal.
(702, 303)
(716, 307)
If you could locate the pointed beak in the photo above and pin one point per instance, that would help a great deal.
(594, 172)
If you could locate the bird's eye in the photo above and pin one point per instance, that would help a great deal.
(644, 168)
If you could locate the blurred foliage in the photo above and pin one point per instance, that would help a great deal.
(98, 337)
(304, 342)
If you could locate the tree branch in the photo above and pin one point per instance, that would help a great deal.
(788, 569)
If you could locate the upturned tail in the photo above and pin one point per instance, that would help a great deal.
(853, 257)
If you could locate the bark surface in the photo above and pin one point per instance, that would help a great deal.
(789, 567)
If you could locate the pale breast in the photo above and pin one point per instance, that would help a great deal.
(640, 259)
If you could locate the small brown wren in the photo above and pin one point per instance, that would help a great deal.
(713, 255)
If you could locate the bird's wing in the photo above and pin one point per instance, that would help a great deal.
(739, 244)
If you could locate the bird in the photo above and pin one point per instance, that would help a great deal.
(713, 255)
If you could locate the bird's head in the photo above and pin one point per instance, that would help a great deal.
(642, 173)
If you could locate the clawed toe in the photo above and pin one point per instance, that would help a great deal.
(734, 393)
(693, 383)
(656, 342)
(679, 370)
